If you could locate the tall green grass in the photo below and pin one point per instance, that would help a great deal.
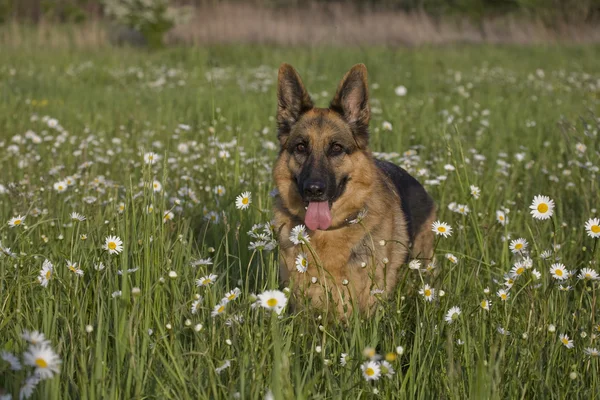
(474, 108)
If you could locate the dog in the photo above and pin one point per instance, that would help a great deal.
(366, 218)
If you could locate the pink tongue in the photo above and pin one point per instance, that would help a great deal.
(318, 215)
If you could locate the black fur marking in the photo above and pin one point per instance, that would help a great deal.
(416, 204)
(317, 171)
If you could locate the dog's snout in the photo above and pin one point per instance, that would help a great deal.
(314, 189)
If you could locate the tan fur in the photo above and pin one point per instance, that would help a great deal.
(354, 264)
(422, 248)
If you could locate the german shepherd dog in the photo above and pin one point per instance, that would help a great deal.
(365, 217)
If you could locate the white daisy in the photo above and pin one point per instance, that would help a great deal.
(371, 370)
(113, 244)
(16, 221)
(427, 292)
(61, 186)
(46, 273)
(274, 300)
(72, 266)
(168, 216)
(462, 209)
(501, 217)
(414, 264)
(232, 294)
(243, 201)
(220, 190)
(485, 304)
(77, 217)
(301, 263)
(452, 314)
(28, 387)
(452, 258)
(10, 358)
(588, 274)
(542, 207)
(45, 361)
(564, 339)
(518, 245)
(441, 228)
(343, 359)
(196, 305)
(219, 309)
(559, 271)
(156, 186)
(34, 337)
(517, 270)
(298, 235)
(503, 294)
(226, 364)
(387, 369)
(475, 192)
(592, 226)
(151, 158)
(591, 351)
(206, 280)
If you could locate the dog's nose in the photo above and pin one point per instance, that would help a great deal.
(314, 189)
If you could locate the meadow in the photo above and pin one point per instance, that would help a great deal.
(122, 244)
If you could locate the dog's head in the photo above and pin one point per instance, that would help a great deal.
(324, 163)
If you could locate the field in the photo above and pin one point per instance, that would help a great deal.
(76, 133)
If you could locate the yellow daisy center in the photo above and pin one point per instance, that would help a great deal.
(595, 228)
(565, 340)
(245, 200)
(221, 309)
(503, 296)
(231, 297)
(369, 372)
(543, 207)
(484, 304)
(441, 229)
(501, 217)
(518, 246)
(60, 187)
(558, 272)
(427, 292)
(17, 222)
(206, 281)
(520, 270)
(40, 362)
(390, 357)
(112, 245)
(303, 262)
(48, 274)
(272, 302)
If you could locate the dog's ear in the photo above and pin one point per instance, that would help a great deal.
(292, 100)
(352, 102)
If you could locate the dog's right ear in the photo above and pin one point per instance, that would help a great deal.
(292, 101)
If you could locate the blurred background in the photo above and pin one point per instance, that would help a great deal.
(157, 23)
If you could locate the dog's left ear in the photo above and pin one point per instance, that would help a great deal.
(292, 100)
(352, 102)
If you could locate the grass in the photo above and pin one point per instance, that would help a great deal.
(509, 119)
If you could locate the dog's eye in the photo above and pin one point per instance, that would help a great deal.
(336, 149)
(301, 148)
